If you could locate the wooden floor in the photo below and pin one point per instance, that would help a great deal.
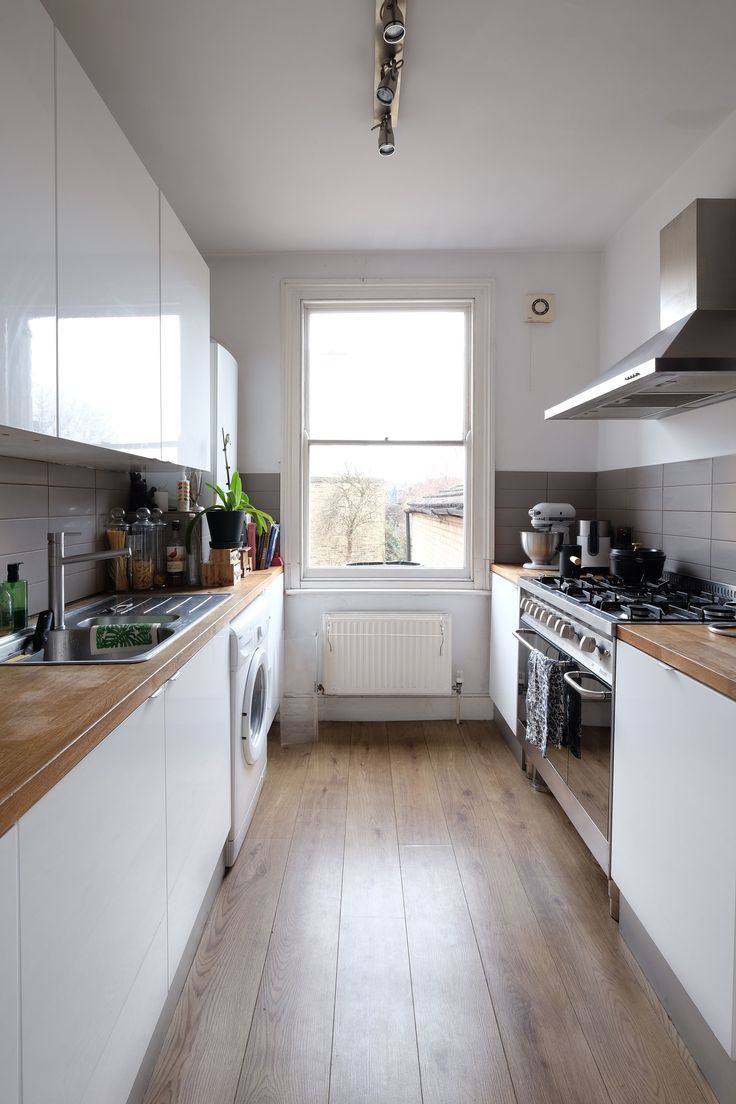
(408, 921)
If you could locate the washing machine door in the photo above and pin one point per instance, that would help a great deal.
(254, 729)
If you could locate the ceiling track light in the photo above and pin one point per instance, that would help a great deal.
(388, 64)
(393, 27)
(386, 91)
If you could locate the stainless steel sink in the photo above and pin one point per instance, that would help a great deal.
(73, 644)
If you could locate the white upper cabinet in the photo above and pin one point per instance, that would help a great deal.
(9, 970)
(108, 275)
(185, 346)
(27, 248)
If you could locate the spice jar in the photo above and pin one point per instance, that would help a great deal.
(159, 548)
(142, 537)
(118, 536)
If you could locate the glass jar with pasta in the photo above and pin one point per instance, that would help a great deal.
(142, 542)
(117, 533)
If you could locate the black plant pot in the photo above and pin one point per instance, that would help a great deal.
(226, 527)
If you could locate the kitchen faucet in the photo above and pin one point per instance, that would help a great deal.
(57, 563)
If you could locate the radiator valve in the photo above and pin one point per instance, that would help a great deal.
(458, 684)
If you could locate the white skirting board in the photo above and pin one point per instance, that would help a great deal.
(300, 723)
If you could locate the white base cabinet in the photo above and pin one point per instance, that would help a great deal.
(504, 675)
(114, 862)
(93, 916)
(9, 970)
(197, 784)
(674, 827)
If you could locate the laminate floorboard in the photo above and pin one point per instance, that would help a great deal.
(631, 1047)
(410, 923)
(530, 1000)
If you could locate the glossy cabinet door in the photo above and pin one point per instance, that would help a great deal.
(93, 919)
(27, 221)
(275, 602)
(185, 346)
(504, 674)
(674, 826)
(9, 970)
(109, 362)
(197, 784)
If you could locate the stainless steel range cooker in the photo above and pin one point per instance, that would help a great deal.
(574, 622)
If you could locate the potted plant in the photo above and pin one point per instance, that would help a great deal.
(227, 516)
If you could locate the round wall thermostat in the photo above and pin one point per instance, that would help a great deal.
(540, 307)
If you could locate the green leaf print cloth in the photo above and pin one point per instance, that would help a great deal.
(105, 637)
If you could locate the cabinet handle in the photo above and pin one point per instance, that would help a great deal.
(664, 666)
(173, 678)
(157, 693)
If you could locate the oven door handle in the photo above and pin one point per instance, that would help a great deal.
(572, 678)
(518, 634)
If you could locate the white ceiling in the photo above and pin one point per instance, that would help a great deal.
(524, 123)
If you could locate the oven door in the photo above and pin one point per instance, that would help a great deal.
(579, 775)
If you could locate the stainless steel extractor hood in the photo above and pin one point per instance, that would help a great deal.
(692, 360)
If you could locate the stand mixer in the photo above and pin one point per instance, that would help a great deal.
(551, 523)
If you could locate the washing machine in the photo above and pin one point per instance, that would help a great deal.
(249, 717)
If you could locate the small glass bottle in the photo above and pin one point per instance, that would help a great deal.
(117, 532)
(159, 548)
(6, 610)
(142, 541)
(176, 557)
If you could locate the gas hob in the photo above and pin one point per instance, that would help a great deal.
(663, 601)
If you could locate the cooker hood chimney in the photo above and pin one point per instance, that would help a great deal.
(692, 360)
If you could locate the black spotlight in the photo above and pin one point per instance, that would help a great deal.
(393, 22)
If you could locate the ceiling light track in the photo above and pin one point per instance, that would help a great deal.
(389, 62)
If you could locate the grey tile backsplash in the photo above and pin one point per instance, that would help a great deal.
(36, 498)
(688, 509)
(690, 512)
(517, 491)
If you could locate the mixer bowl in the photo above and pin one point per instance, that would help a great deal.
(541, 548)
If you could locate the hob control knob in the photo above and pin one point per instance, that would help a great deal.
(550, 619)
(567, 632)
(587, 644)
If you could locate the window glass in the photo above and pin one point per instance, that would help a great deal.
(392, 504)
(378, 374)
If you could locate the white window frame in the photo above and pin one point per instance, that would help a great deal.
(296, 297)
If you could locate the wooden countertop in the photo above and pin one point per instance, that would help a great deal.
(514, 572)
(691, 649)
(51, 717)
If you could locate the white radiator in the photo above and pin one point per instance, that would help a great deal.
(386, 653)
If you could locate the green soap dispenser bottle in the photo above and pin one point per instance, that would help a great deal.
(18, 589)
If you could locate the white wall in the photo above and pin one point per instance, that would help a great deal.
(536, 365)
(630, 312)
(470, 613)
